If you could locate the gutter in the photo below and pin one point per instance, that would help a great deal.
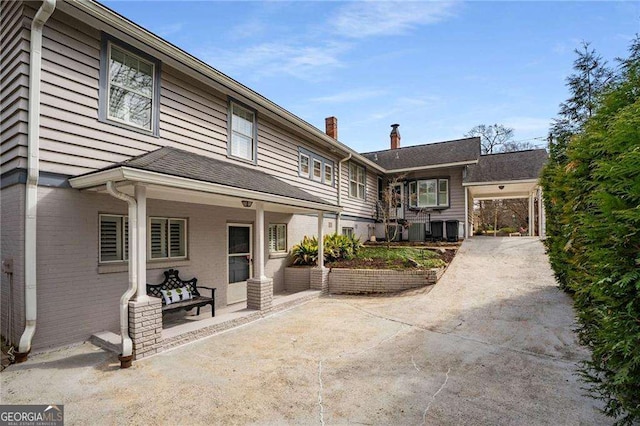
(33, 171)
(339, 215)
(127, 345)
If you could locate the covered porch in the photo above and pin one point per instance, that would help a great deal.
(229, 195)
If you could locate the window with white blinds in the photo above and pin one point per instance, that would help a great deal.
(114, 238)
(167, 238)
(277, 238)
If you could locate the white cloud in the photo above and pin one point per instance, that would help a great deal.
(303, 62)
(373, 18)
(350, 96)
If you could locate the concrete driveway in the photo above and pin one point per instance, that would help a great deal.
(492, 343)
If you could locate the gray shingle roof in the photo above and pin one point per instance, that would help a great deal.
(176, 162)
(427, 155)
(518, 165)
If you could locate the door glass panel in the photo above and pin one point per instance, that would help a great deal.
(238, 268)
(238, 239)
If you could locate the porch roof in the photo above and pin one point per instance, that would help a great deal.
(505, 175)
(181, 169)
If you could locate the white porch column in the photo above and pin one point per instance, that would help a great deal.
(320, 240)
(258, 260)
(531, 218)
(320, 275)
(259, 287)
(141, 249)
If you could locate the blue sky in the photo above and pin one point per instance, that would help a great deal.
(436, 68)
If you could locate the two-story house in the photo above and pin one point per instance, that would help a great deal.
(123, 156)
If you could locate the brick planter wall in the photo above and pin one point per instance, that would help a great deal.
(297, 278)
(363, 281)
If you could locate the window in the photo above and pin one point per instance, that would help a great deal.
(347, 231)
(167, 238)
(277, 238)
(314, 166)
(317, 169)
(242, 133)
(304, 164)
(429, 193)
(328, 174)
(356, 181)
(114, 238)
(129, 87)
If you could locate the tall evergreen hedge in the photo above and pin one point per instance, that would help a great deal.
(593, 203)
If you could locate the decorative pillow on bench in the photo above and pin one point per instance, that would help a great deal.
(176, 295)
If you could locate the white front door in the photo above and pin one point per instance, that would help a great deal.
(239, 255)
(398, 193)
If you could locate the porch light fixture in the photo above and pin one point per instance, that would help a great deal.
(501, 187)
(247, 203)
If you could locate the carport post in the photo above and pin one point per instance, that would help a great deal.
(319, 275)
(531, 213)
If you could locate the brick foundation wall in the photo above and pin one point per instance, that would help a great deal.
(319, 279)
(297, 279)
(363, 281)
(145, 326)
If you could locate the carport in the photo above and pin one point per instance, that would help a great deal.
(508, 175)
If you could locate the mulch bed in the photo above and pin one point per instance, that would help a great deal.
(447, 257)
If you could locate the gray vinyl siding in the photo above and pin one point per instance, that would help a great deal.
(356, 206)
(455, 211)
(14, 85)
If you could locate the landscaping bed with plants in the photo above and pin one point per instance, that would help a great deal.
(341, 251)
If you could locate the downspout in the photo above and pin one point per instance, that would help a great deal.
(33, 170)
(339, 216)
(127, 345)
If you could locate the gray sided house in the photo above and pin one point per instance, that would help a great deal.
(123, 156)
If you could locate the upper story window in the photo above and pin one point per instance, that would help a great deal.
(429, 193)
(315, 167)
(357, 181)
(242, 133)
(129, 87)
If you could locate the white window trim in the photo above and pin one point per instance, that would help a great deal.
(320, 177)
(185, 239)
(300, 171)
(328, 181)
(350, 231)
(414, 197)
(254, 136)
(355, 180)
(286, 245)
(152, 98)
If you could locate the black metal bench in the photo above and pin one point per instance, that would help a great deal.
(173, 282)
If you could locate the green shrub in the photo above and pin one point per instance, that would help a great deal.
(593, 241)
(336, 247)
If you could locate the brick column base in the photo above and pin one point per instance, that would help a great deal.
(145, 326)
(259, 293)
(319, 278)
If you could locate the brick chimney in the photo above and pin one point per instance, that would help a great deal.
(395, 136)
(331, 127)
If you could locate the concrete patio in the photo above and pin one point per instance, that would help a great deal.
(491, 343)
